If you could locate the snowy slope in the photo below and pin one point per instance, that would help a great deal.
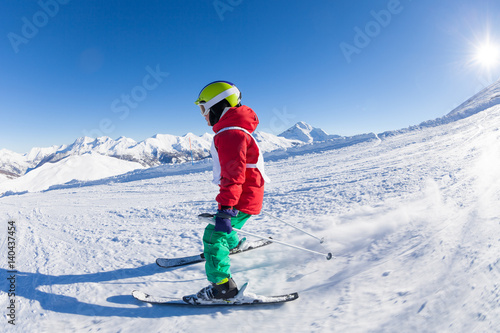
(414, 221)
(485, 99)
(85, 167)
(11, 162)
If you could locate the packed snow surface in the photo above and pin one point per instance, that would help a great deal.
(413, 221)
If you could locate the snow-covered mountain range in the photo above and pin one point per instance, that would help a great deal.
(19, 171)
(159, 149)
(64, 163)
(306, 133)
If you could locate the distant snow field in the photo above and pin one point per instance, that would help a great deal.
(84, 167)
(413, 220)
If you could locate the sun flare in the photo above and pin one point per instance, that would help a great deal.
(487, 55)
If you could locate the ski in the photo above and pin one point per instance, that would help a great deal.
(243, 247)
(242, 298)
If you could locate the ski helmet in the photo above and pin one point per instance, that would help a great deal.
(215, 92)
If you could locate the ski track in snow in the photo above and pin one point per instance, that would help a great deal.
(413, 220)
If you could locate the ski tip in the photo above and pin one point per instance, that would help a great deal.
(190, 299)
(141, 296)
(289, 297)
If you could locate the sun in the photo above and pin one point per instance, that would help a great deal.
(487, 54)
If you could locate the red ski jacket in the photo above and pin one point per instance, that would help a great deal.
(240, 187)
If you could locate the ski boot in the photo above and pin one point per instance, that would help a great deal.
(222, 290)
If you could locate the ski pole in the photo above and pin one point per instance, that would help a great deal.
(321, 240)
(209, 218)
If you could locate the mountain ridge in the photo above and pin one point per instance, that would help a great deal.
(483, 100)
(156, 150)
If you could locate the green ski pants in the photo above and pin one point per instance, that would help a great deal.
(216, 248)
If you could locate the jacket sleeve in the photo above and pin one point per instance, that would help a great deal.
(232, 149)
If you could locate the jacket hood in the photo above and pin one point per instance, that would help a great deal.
(241, 116)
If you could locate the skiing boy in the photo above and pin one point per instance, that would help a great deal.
(239, 172)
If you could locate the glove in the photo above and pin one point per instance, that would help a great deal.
(223, 220)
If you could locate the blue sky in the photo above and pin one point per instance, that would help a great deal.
(134, 68)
